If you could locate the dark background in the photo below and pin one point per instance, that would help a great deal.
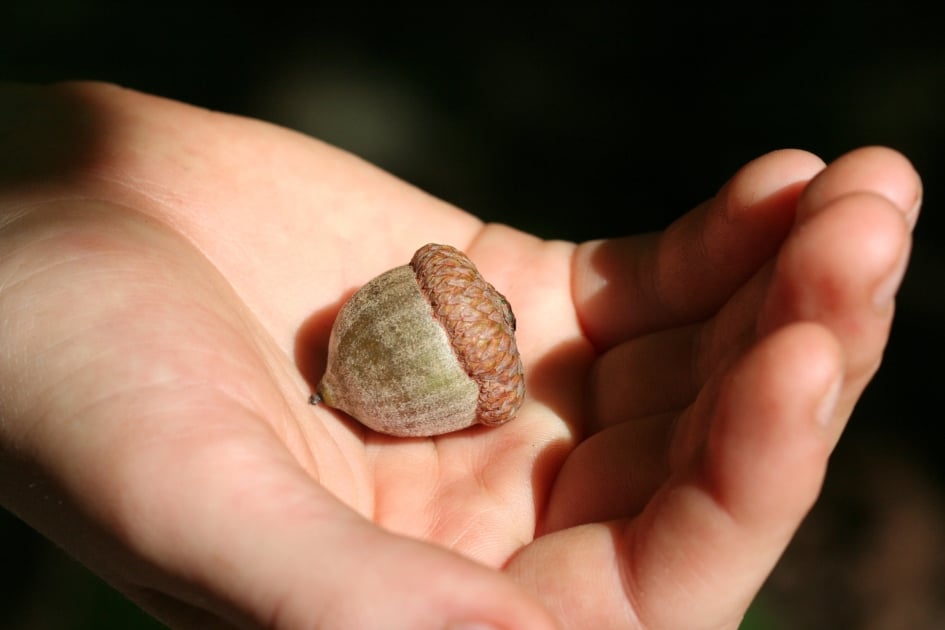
(577, 123)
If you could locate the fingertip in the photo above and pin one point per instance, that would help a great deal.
(789, 163)
(774, 174)
(877, 169)
(849, 255)
(768, 449)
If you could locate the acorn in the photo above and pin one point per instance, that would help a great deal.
(425, 349)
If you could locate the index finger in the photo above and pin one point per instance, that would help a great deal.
(630, 286)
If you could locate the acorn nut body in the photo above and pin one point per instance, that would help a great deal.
(424, 349)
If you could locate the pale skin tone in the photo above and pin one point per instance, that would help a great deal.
(168, 277)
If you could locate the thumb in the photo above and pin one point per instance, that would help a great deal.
(300, 559)
(292, 556)
(230, 532)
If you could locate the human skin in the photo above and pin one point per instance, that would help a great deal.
(168, 277)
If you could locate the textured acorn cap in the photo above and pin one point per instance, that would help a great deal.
(424, 349)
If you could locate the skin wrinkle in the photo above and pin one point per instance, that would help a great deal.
(469, 531)
(138, 391)
(381, 512)
(498, 498)
(114, 249)
(575, 278)
(130, 347)
(624, 572)
(703, 250)
(713, 350)
(12, 214)
(628, 542)
(163, 197)
(650, 283)
(290, 387)
(38, 409)
(698, 365)
(33, 270)
(698, 491)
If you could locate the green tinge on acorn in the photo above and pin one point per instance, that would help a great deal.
(425, 349)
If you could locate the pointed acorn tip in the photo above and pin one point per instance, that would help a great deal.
(314, 399)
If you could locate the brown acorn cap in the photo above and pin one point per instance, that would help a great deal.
(480, 325)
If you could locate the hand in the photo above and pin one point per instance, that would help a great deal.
(168, 277)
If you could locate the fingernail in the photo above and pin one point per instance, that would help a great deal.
(885, 291)
(828, 404)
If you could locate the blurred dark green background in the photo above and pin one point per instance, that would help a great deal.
(578, 122)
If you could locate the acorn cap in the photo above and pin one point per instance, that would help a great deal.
(480, 326)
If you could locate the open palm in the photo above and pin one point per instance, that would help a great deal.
(168, 279)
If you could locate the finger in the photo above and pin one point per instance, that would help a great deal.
(842, 269)
(627, 287)
(720, 526)
(704, 544)
(649, 375)
(610, 475)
